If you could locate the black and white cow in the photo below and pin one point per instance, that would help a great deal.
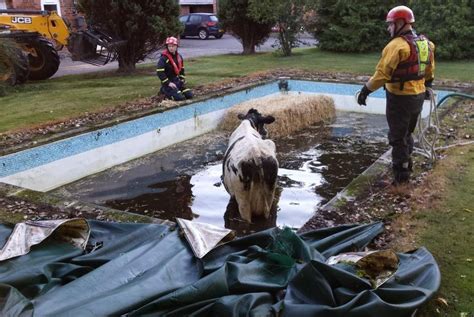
(250, 167)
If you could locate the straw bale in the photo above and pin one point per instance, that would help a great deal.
(292, 111)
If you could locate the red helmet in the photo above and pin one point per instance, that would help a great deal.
(171, 40)
(400, 12)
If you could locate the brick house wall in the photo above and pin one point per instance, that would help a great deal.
(198, 8)
(26, 4)
(67, 7)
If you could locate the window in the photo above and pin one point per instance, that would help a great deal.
(183, 19)
(195, 19)
(50, 7)
(214, 18)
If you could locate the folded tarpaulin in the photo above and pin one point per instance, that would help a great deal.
(27, 234)
(149, 269)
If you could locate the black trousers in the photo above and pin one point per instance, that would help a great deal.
(402, 115)
(180, 93)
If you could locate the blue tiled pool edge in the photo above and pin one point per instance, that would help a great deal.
(34, 157)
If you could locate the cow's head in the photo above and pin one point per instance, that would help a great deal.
(257, 120)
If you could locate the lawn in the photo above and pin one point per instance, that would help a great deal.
(61, 98)
(448, 235)
(447, 226)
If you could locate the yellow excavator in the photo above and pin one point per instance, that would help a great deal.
(40, 34)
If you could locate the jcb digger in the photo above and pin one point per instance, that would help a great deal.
(40, 34)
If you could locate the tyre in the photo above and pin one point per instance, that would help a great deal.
(203, 34)
(43, 59)
(219, 36)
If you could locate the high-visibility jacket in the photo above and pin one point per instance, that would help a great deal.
(169, 67)
(396, 68)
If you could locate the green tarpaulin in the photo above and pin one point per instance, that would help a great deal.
(149, 269)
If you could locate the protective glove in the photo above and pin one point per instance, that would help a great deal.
(428, 84)
(364, 92)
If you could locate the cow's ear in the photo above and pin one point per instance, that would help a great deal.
(241, 116)
(268, 119)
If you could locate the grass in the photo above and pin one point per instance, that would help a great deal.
(448, 234)
(70, 96)
(447, 230)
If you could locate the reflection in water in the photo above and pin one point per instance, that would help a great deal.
(233, 221)
(296, 200)
(184, 180)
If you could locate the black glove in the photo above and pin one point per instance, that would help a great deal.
(364, 92)
(428, 84)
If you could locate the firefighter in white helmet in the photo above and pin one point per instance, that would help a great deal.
(170, 70)
(405, 69)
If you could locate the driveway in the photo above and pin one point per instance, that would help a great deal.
(189, 48)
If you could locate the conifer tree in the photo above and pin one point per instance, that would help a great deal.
(143, 24)
(236, 18)
(351, 25)
(286, 14)
(449, 24)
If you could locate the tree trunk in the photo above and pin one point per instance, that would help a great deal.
(285, 42)
(126, 67)
(248, 44)
(126, 59)
(248, 49)
(248, 41)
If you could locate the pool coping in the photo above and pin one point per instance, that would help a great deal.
(316, 77)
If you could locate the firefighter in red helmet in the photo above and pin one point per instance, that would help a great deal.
(405, 69)
(170, 70)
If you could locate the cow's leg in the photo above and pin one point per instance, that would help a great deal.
(245, 208)
(270, 174)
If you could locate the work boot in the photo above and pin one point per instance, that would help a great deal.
(401, 177)
(410, 164)
(401, 173)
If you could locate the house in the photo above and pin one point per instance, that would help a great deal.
(194, 6)
(67, 8)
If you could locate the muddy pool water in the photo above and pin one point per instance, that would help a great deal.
(184, 180)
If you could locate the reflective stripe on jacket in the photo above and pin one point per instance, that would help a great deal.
(168, 66)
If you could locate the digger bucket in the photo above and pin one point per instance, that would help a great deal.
(93, 47)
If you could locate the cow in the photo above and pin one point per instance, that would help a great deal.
(250, 167)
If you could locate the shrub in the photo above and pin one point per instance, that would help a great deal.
(13, 63)
(449, 24)
(235, 16)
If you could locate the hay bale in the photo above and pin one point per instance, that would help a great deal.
(292, 112)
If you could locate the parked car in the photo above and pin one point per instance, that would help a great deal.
(202, 25)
